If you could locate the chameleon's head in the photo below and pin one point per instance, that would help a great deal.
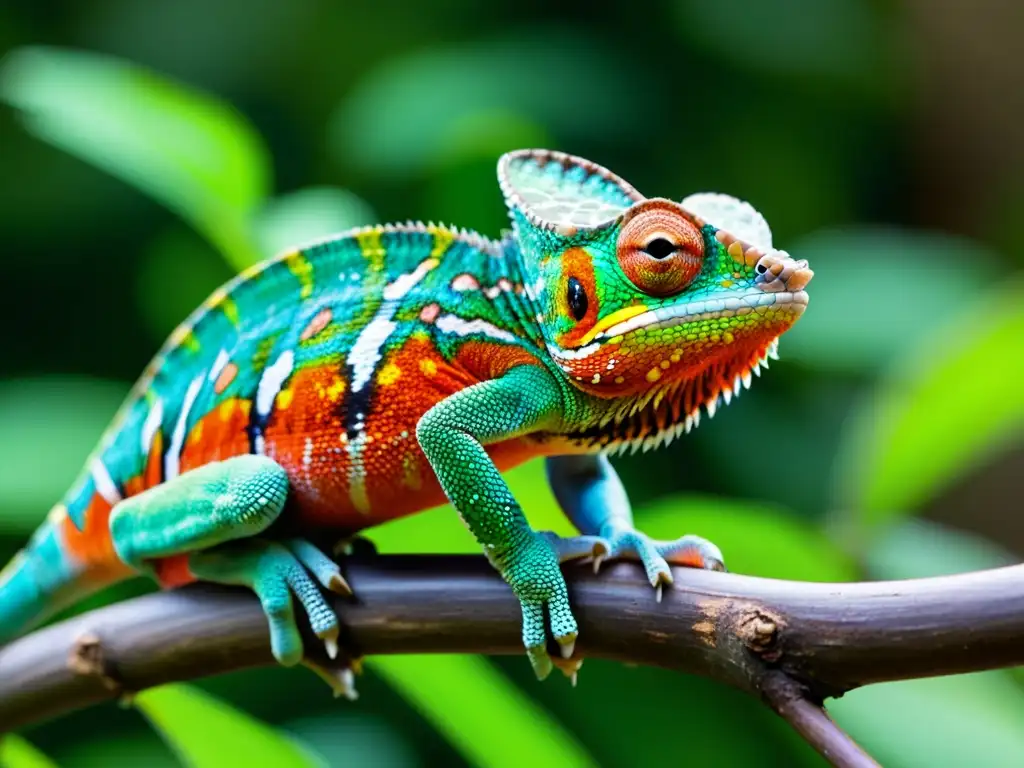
(643, 295)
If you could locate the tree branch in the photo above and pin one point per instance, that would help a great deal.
(791, 643)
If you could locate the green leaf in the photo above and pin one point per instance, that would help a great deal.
(15, 752)
(952, 721)
(914, 548)
(756, 539)
(189, 151)
(408, 114)
(942, 411)
(913, 279)
(203, 730)
(487, 718)
(54, 423)
(308, 214)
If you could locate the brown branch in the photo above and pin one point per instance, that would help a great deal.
(760, 635)
(791, 701)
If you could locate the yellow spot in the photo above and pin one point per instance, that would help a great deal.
(728, 338)
(226, 410)
(197, 433)
(664, 364)
(727, 283)
(619, 379)
(736, 251)
(653, 375)
(428, 367)
(371, 248)
(389, 374)
(182, 336)
(336, 390)
(284, 398)
(252, 271)
(357, 493)
(219, 299)
(299, 266)
(443, 239)
(230, 310)
(608, 321)
(244, 406)
(411, 477)
(615, 340)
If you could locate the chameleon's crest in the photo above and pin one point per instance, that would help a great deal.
(740, 219)
(562, 193)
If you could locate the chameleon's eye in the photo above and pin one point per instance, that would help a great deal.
(660, 251)
(576, 296)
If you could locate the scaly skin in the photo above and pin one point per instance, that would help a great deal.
(376, 373)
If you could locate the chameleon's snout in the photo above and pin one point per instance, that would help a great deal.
(778, 271)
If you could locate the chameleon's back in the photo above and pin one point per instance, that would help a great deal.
(291, 360)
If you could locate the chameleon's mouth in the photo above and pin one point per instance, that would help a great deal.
(750, 302)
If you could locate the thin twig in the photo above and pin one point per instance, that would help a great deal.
(789, 699)
(828, 638)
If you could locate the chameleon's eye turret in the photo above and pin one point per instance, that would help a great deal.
(659, 249)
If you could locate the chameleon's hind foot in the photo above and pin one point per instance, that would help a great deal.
(275, 572)
(689, 551)
(320, 565)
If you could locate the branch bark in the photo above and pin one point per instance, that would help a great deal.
(791, 643)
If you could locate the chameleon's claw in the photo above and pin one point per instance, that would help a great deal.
(689, 551)
(569, 667)
(657, 593)
(597, 563)
(337, 584)
(567, 644)
(331, 645)
(341, 679)
(540, 661)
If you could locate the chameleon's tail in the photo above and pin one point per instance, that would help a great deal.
(60, 565)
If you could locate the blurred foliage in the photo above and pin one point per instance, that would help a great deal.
(899, 386)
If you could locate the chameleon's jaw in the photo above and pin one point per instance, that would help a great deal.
(723, 306)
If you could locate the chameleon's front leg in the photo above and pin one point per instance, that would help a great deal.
(591, 494)
(453, 434)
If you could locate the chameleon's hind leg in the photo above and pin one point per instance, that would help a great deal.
(201, 513)
(591, 494)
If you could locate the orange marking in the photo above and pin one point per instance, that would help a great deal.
(491, 360)
(92, 544)
(173, 571)
(577, 263)
(225, 377)
(217, 435)
(320, 321)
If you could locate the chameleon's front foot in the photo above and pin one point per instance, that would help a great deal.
(535, 577)
(689, 551)
(276, 571)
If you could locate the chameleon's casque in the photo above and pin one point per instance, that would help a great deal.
(376, 373)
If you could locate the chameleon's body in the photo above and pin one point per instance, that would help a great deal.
(353, 375)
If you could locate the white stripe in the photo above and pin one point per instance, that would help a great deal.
(365, 352)
(151, 425)
(223, 358)
(458, 326)
(104, 483)
(172, 462)
(273, 378)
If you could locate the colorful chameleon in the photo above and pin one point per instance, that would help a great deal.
(380, 371)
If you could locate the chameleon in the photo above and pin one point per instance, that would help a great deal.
(391, 368)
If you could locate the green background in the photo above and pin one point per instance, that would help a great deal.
(150, 150)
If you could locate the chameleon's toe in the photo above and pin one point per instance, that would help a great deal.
(275, 574)
(320, 565)
(537, 581)
(577, 547)
(689, 551)
(692, 552)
